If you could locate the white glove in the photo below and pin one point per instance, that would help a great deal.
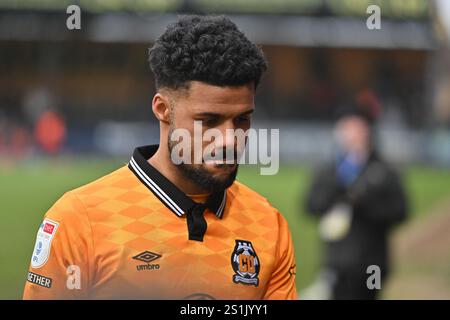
(336, 223)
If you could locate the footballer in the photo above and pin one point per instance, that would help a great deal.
(154, 229)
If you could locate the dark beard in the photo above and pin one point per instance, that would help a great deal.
(205, 180)
(200, 176)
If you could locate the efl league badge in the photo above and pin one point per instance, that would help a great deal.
(245, 263)
(46, 232)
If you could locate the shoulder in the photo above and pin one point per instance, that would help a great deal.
(380, 172)
(115, 186)
(323, 171)
(116, 179)
(241, 191)
(243, 196)
(77, 202)
(253, 209)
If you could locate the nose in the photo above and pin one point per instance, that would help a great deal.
(228, 131)
(233, 142)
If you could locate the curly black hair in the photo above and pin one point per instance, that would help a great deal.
(209, 49)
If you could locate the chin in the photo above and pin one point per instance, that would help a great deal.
(211, 177)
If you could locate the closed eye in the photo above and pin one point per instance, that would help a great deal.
(213, 119)
(243, 119)
(210, 122)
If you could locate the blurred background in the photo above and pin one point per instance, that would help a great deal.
(74, 104)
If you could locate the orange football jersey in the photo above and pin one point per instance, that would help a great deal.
(132, 234)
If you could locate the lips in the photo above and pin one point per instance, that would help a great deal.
(210, 159)
(220, 165)
(220, 162)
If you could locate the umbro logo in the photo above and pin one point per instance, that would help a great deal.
(147, 257)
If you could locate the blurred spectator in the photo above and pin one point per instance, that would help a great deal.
(357, 198)
(20, 141)
(50, 132)
(15, 140)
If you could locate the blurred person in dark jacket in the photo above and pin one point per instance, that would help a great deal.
(358, 198)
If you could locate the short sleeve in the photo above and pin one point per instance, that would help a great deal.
(282, 285)
(60, 266)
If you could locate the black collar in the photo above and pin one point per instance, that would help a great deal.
(169, 194)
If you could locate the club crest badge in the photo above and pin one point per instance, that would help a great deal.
(245, 263)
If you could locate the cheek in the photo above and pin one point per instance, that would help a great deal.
(185, 126)
(358, 136)
(347, 139)
(183, 122)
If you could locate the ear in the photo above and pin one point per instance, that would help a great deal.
(161, 107)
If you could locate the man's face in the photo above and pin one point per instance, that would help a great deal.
(353, 135)
(224, 109)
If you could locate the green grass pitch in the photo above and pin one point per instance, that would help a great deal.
(29, 188)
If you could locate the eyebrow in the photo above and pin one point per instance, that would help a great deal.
(213, 114)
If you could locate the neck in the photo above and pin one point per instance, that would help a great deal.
(161, 161)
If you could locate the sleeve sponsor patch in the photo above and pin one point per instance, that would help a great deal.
(41, 252)
(39, 280)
